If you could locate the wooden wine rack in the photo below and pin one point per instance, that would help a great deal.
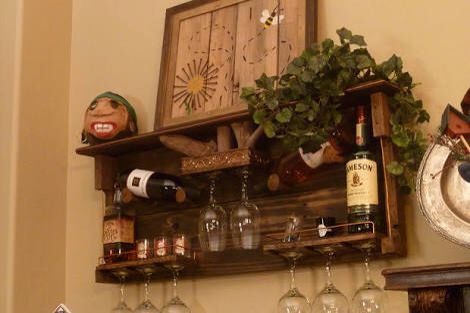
(325, 195)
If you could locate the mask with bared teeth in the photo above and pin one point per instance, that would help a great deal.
(109, 117)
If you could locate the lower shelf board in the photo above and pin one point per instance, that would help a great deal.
(234, 261)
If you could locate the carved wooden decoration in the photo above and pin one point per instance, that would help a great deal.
(213, 48)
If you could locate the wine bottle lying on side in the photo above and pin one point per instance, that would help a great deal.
(157, 186)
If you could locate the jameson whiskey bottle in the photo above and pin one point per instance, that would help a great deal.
(361, 178)
(118, 230)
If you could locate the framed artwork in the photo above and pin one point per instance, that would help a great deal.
(213, 48)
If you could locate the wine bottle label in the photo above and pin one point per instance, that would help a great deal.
(118, 230)
(137, 182)
(361, 180)
(314, 159)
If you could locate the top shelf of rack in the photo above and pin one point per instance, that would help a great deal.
(150, 140)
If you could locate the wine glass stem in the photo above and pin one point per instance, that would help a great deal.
(328, 271)
(175, 283)
(147, 292)
(122, 291)
(211, 190)
(245, 185)
(292, 274)
(366, 267)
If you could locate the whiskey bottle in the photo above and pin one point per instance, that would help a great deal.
(361, 179)
(118, 230)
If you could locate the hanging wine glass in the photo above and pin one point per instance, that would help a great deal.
(212, 223)
(122, 306)
(330, 299)
(175, 305)
(147, 306)
(245, 220)
(293, 301)
(369, 298)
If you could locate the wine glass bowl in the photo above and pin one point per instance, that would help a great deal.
(330, 299)
(245, 220)
(369, 298)
(212, 223)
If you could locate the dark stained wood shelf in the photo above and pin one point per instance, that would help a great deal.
(406, 278)
(432, 289)
(338, 243)
(160, 265)
(323, 195)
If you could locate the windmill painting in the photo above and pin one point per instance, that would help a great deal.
(213, 48)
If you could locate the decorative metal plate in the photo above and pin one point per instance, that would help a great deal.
(443, 195)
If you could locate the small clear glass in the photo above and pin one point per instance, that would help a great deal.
(144, 249)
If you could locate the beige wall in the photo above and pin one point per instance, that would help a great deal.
(123, 55)
(116, 46)
(34, 133)
(8, 35)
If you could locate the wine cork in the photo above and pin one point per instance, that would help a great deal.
(274, 182)
(180, 195)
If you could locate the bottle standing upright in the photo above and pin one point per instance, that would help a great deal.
(118, 230)
(361, 178)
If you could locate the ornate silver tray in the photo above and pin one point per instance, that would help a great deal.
(443, 195)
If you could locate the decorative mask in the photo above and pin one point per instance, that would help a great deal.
(108, 117)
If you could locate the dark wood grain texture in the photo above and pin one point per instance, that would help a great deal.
(323, 195)
(431, 289)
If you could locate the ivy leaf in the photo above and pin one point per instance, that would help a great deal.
(423, 116)
(401, 139)
(307, 77)
(247, 92)
(395, 168)
(301, 107)
(344, 34)
(327, 44)
(259, 116)
(272, 103)
(284, 116)
(363, 61)
(358, 40)
(298, 62)
(265, 82)
(293, 69)
(269, 129)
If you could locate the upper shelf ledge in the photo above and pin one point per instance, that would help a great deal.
(150, 140)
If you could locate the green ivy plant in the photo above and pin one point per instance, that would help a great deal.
(302, 107)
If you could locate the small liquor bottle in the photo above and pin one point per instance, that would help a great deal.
(118, 230)
(361, 179)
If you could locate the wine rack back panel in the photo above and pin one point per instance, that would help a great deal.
(323, 195)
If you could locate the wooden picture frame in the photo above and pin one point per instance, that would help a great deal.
(213, 48)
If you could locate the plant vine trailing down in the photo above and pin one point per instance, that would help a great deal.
(302, 107)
